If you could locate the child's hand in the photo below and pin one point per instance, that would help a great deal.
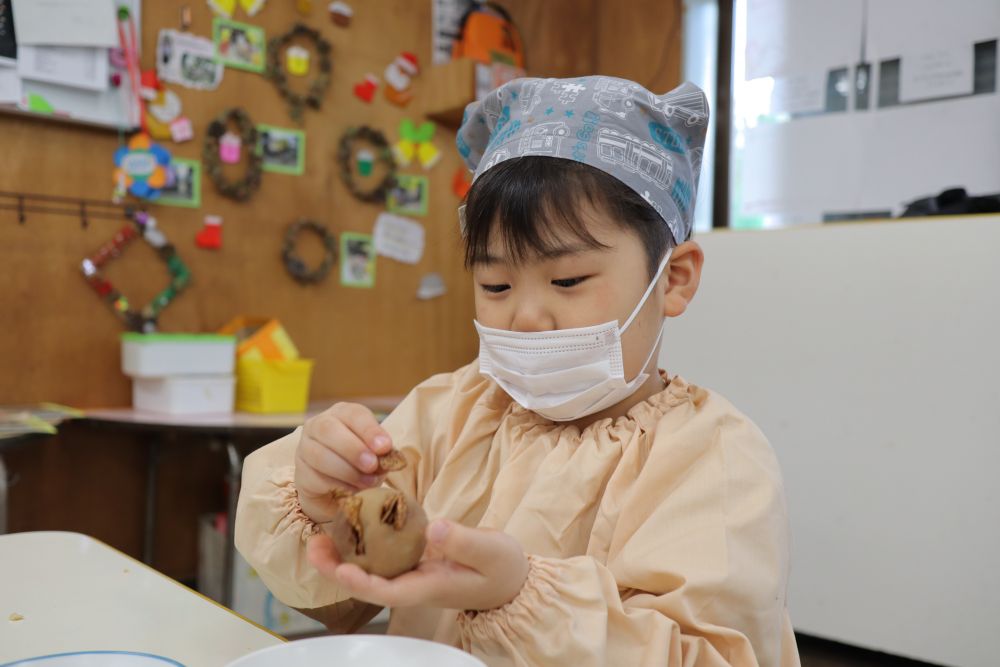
(338, 449)
(464, 568)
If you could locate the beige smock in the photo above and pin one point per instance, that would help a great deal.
(655, 538)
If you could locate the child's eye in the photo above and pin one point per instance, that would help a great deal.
(569, 282)
(495, 289)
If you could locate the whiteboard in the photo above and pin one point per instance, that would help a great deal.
(870, 356)
(108, 108)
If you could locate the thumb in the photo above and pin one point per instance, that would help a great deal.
(473, 547)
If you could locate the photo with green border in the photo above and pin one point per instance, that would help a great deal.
(186, 189)
(357, 260)
(239, 45)
(282, 149)
(409, 196)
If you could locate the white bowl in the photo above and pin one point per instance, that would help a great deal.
(359, 651)
(96, 659)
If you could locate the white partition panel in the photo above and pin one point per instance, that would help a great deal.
(870, 356)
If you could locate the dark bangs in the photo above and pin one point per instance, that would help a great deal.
(535, 203)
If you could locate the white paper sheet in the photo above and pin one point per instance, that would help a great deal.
(75, 66)
(188, 60)
(399, 238)
(898, 27)
(66, 22)
(799, 93)
(797, 36)
(939, 72)
(10, 86)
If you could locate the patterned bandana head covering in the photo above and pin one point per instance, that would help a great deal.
(651, 143)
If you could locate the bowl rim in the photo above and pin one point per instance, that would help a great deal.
(396, 639)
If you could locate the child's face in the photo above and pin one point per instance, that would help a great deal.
(584, 286)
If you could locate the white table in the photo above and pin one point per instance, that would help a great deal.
(78, 594)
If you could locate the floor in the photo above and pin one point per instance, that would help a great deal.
(815, 652)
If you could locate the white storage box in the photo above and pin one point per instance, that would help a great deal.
(184, 394)
(158, 355)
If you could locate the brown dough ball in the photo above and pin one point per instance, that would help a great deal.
(380, 530)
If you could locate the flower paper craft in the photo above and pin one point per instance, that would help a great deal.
(141, 166)
(416, 142)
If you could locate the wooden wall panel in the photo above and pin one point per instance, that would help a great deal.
(64, 346)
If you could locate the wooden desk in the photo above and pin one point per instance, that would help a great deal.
(78, 594)
(220, 429)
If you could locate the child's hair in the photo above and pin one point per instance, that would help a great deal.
(532, 198)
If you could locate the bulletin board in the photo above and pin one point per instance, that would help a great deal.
(366, 341)
(381, 340)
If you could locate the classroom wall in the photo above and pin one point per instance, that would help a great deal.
(60, 343)
(64, 346)
(867, 353)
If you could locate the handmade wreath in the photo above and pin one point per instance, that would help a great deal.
(242, 189)
(143, 225)
(314, 97)
(295, 265)
(383, 154)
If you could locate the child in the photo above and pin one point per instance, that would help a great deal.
(587, 508)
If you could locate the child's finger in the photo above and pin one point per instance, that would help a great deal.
(333, 466)
(474, 548)
(336, 437)
(365, 426)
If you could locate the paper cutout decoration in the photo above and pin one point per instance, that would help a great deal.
(165, 107)
(431, 287)
(224, 7)
(297, 60)
(461, 182)
(142, 166)
(415, 142)
(400, 238)
(159, 112)
(398, 76)
(365, 90)
(227, 7)
(365, 160)
(209, 236)
(181, 130)
(341, 14)
(229, 148)
(180, 276)
(149, 85)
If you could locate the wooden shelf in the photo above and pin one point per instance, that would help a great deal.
(447, 90)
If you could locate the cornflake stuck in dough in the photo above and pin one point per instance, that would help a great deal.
(351, 509)
(391, 462)
(380, 530)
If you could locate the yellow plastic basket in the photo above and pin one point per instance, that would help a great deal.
(269, 386)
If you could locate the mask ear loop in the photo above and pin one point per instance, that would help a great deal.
(461, 219)
(649, 290)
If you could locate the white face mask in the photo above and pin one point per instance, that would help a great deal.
(564, 374)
